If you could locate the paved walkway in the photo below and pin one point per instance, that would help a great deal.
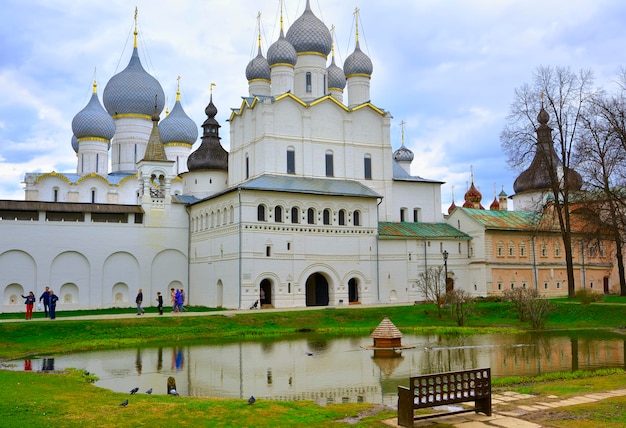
(509, 409)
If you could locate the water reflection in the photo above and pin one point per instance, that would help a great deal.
(338, 369)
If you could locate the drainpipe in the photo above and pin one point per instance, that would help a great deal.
(188, 255)
(240, 241)
(380, 201)
(582, 258)
(535, 277)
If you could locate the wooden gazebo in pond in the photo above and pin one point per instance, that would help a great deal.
(387, 340)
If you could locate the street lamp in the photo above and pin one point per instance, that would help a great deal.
(445, 268)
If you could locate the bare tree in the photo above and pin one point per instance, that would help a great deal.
(433, 286)
(556, 96)
(601, 151)
(461, 305)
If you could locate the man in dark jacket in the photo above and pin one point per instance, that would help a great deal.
(45, 299)
(52, 300)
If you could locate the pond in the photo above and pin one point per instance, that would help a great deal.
(337, 369)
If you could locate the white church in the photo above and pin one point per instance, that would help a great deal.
(310, 206)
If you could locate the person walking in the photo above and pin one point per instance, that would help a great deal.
(53, 304)
(182, 298)
(179, 301)
(173, 299)
(160, 303)
(139, 301)
(45, 299)
(30, 302)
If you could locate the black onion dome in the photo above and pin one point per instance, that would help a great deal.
(537, 176)
(281, 52)
(358, 63)
(133, 90)
(93, 121)
(210, 155)
(403, 154)
(178, 127)
(258, 68)
(309, 34)
(336, 76)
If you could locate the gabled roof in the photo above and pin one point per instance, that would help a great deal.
(317, 186)
(250, 103)
(388, 230)
(503, 220)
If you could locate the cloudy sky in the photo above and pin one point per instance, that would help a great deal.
(447, 68)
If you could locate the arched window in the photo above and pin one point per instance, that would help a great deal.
(310, 216)
(356, 218)
(308, 82)
(511, 250)
(295, 215)
(326, 216)
(522, 249)
(342, 217)
(261, 213)
(278, 214)
(247, 166)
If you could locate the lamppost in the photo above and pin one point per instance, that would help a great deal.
(445, 268)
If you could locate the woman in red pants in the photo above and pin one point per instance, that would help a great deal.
(30, 302)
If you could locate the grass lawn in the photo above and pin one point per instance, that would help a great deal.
(69, 399)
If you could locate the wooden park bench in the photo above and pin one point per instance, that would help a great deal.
(442, 389)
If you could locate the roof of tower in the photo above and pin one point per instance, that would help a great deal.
(258, 68)
(451, 207)
(403, 154)
(358, 63)
(281, 51)
(473, 195)
(495, 205)
(133, 90)
(155, 150)
(537, 176)
(177, 127)
(93, 120)
(309, 34)
(210, 155)
(336, 76)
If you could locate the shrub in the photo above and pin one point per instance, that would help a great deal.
(587, 296)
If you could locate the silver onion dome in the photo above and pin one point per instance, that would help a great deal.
(133, 91)
(258, 68)
(336, 76)
(358, 63)
(309, 34)
(178, 127)
(93, 121)
(281, 52)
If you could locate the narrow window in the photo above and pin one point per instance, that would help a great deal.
(55, 195)
(247, 167)
(268, 251)
(278, 214)
(329, 164)
(308, 82)
(367, 167)
(291, 161)
(356, 218)
(93, 196)
(326, 216)
(261, 213)
(310, 216)
(342, 217)
(416, 215)
(403, 214)
(295, 215)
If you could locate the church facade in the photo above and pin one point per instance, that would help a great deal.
(310, 206)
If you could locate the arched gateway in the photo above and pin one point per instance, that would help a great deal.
(317, 290)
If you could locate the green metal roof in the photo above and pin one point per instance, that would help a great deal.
(388, 230)
(504, 220)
